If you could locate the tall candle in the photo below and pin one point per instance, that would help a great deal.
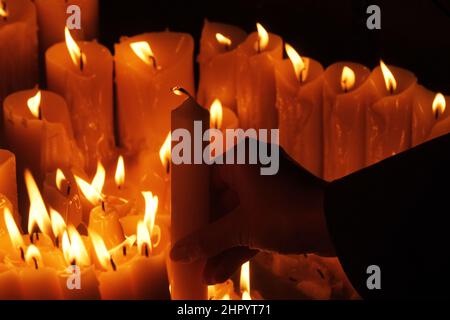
(430, 113)
(82, 74)
(18, 47)
(52, 17)
(299, 102)
(8, 185)
(218, 63)
(190, 202)
(347, 95)
(389, 118)
(255, 82)
(147, 67)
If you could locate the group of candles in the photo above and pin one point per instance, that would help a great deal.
(333, 121)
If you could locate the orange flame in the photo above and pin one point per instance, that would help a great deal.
(33, 256)
(389, 79)
(144, 52)
(223, 40)
(245, 281)
(165, 152)
(74, 248)
(263, 38)
(14, 233)
(439, 105)
(38, 212)
(347, 79)
(3, 10)
(151, 207)
(58, 223)
(77, 56)
(119, 177)
(60, 177)
(34, 105)
(89, 192)
(300, 67)
(101, 252)
(144, 242)
(216, 114)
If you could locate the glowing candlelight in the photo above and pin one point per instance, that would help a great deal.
(119, 177)
(300, 66)
(263, 38)
(77, 56)
(389, 79)
(143, 50)
(439, 105)
(347, 79)
(34, 105)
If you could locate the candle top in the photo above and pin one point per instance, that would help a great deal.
(274, 46)
(404, 80)
(16, 11)
(333, 76)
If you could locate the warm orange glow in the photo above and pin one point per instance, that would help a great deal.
(151, 207)
(99, 179)
(144, 243)
(3, 11)
(60, 177)
(223, 40)
(38, 216)
(439, 105)
(389, 79)
(165, 152)
(127, 243)
(300, 66)
(77, 56)
(102, 254)
(14, 233)
(119, 177)
(89, 192)
(33, 256)
(144, 52)
(263, 38)
(58, 223)
(34, 104)
(245, 281)
(78, 249)
(216, 114)
(66, 248)
(347, 79)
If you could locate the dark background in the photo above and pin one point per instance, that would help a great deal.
(414, 34)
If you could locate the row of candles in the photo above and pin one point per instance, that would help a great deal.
(333, 121)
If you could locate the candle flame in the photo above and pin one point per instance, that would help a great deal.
(33, 256)
(347, 79)
(300, 67)
(58, 223)
(99, 179)
(263, 38)
(223, 40)
(3, 10)
(89, 191)
(439, 105)
(60, 177)
(245, 281)
(101, 252)
(143, 50)
(14, 233)
(66, 248)
(216, 114)
(144, 242)
(78, 249)
(38, 216)
(389, 79)
(151, 207)
(165, 152)
(119, 177)
(77, 56)
(34, 104)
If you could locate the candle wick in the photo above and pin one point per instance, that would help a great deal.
(103, 206)
(74, 262)
(35, 263)
(436, 114)
(168, 167)
(124, 251)
(22, 254)
(259, 45)
(155, 65)
(113, 265)
(146, 250)
(40, 113)
(81, 61)
(57, 241)
(68, 189)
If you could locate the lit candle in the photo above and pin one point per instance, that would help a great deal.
(52, 17)
(218, 63)
(255, 82)
(190, 201)
(8, 185)
(147, 67)
(39, 132)
(347, 96)
(429, 115)
(389, 118)
(18, 47)
(82, 73)
(299, 102)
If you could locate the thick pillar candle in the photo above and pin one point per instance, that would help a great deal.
(389, 118)
(82, 74)
(147, 67)
(299, 85)
(347, 95)
(190, 200)
(218, 63)
(255, 82)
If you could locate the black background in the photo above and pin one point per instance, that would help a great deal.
(414, 34)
